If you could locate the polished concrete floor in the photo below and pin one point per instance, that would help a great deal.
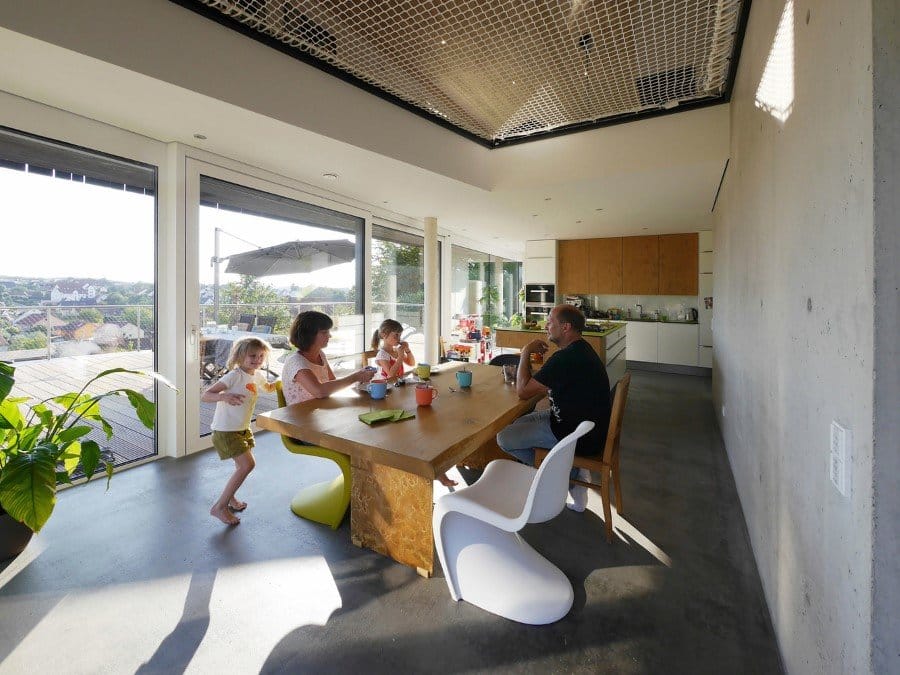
(141, 579)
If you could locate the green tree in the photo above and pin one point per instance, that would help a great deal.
(90, 315)
(254, 296)
(28, 341)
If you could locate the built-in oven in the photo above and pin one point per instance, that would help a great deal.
(539, 300)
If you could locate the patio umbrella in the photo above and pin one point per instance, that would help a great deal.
(292, 257)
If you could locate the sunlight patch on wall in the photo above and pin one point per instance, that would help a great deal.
(775, 93)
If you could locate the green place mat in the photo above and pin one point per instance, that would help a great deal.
(390, 415)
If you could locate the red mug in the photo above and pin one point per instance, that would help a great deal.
(425, 394)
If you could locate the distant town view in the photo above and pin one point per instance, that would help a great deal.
(41, 317)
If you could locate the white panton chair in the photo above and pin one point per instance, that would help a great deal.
(485, 561)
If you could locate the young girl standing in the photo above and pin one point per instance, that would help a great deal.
(235, 397)
(392, 351)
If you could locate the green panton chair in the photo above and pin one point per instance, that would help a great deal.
(324, 502)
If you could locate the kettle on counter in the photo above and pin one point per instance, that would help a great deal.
(693, 314)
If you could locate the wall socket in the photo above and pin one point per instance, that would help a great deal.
(841, 444)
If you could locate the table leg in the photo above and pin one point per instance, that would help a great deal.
(390, 512)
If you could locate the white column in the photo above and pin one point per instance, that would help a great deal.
(432, 291)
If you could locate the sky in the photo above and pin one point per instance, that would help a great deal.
(67, 229)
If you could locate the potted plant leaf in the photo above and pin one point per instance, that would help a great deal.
(47, 445)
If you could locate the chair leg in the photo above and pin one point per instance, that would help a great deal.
(604, 496)
(617, 486)
(326, 502)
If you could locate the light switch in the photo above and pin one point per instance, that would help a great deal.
(841, 443)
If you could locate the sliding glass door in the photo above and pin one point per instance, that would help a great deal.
(263, 256)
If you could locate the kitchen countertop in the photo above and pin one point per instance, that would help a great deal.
(660, 321)
(601, 332)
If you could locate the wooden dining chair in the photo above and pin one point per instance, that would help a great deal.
(326, 502)
(606, 464)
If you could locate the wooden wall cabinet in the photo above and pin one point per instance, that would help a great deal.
(605, 268)
(666, 264)
(640, 265)
(572, 267)
(678, 264)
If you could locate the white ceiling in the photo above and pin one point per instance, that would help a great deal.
(654, 176)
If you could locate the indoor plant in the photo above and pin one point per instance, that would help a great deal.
(46, 445)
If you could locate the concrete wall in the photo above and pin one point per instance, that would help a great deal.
(794, 320)
(886, 554)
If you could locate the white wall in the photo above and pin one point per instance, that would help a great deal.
(794, 322)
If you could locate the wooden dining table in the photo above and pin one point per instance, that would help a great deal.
(394, 464)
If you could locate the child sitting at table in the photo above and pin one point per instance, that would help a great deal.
(392, 351)
(392, 354)
(235, 397)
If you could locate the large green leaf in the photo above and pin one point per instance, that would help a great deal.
(72, 433)
(10, 415)
(28, 438)
(146, 411)
(7, 379)
(90, 457)
(28, 486)
(71, 456)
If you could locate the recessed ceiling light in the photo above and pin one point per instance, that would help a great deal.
(577, 222)
(547, 199)
(330, 176)
(644, 228)
(598, 209)
(534, 215)
(200, 137)
(443, 42)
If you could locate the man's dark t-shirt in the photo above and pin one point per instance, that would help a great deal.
(579, 390)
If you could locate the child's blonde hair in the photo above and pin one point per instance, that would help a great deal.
(387, 327)
(240, 348)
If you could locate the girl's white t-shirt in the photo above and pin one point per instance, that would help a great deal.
(237, 417)
(293, 391)
(384, 355)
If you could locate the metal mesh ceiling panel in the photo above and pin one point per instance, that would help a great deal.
(501, 70)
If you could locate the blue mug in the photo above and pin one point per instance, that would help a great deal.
(464, 377)
(377, 389)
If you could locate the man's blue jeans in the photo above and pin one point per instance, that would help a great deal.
(528, 432)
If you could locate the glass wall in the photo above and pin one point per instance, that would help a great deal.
(485, 288)
(78, 278)
(263, 259)
(398, 283)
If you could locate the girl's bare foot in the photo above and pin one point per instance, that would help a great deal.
(224, 515)
(235, 505)
(446, 481)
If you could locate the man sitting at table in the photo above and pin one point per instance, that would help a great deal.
(575, 380)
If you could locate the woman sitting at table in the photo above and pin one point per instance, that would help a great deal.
(306, 373)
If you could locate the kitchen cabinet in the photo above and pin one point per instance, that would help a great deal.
(642, 341)
(539, 270)
(539, 265)
(678, 264)
(640, 265)
(572, 275)
(610, 345)
(678, 344)
(605, 266)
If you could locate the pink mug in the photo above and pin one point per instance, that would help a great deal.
(425, 394)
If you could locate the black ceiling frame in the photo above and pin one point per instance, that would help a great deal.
(234, 24)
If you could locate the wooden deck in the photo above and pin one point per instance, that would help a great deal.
(44, 378)
(40, 379)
